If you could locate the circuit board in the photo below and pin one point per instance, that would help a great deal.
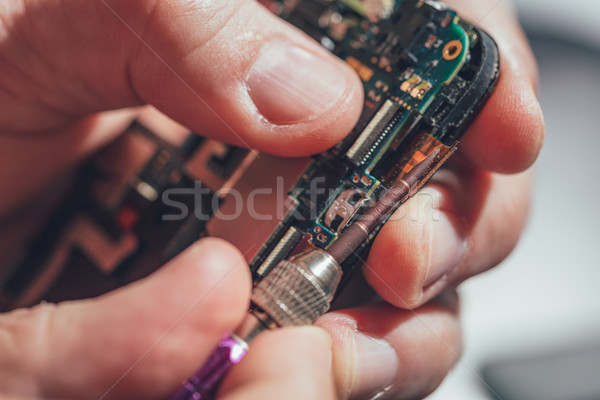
(425, 72)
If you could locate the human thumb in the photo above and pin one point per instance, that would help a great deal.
(227, 69)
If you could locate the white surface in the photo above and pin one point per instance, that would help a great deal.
(545, 296)
(579, 19)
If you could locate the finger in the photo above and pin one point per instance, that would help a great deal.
(508, 133)
(229, 69)
(140, 341)
(393, 353)
(291, 363)
(462, 224)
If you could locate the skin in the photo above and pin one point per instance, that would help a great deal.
(65, 64)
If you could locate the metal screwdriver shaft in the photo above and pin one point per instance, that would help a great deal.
(297, 291)
(356, 233)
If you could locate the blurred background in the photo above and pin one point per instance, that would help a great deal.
(532, 325)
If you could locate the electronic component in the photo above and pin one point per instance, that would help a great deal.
(285, 246)
(344, 208)
(363, 71)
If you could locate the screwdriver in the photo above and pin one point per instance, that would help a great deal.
(297, 291)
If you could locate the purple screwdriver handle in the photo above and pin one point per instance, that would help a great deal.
(203, 385)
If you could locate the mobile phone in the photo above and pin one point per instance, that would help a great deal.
(425, 72)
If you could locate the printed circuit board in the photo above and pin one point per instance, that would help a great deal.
(425, 72)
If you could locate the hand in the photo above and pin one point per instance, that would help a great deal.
(464, 222)
(63, 63)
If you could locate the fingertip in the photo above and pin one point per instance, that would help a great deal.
(341, 329)
(363, 363)
(398, 260)
(420, 247)
(390, 353)
(219, 255)
(290, 84)
(509, 132)
(291, 363)
(211, 273)
(303, 116)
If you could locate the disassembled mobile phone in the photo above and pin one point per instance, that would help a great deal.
(425, 72)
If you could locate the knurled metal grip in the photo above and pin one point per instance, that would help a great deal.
(299, 290)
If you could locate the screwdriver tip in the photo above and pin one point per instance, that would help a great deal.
(419, 170)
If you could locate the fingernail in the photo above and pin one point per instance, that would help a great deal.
(448, 247)
(376, 365)
(289, 84)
